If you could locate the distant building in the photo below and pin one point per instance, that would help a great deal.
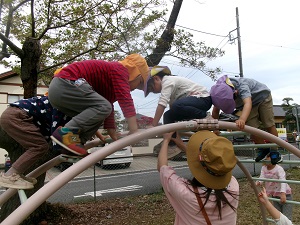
(279, 115)
(11, 89)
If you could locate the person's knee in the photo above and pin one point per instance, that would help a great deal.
(167, 117)
(257, 140)
(106, 108)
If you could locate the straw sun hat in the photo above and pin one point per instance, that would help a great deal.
(211, 159)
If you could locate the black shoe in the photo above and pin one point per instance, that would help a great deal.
(275, 157)
(262, 153)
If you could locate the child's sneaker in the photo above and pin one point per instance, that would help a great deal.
(275, 157)
(262, 153)
(14, 181)
(69, 139)
(29, 179)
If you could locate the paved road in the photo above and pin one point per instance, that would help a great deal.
(141, 178)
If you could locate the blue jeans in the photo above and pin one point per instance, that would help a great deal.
(187, 108)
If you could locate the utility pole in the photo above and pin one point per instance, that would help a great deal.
(239, 41)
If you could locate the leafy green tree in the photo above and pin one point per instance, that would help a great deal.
(41, 36)
(55, 33)
(289, 117)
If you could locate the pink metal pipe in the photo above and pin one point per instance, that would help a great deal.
(252, 183)
(25, 209)
(45, 192)
(264, 134)
(35, 173)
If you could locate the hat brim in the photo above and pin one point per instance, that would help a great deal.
(154, 71)
(146, 91)
(157, 69)
(197, 170)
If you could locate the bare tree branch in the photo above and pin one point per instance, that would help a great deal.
(4, 38)
(77, 20)
(16, 49)
(20, 4)
(69, 60)
(32, 19)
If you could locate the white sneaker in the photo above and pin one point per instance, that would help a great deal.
(29, 179)
(15, 181)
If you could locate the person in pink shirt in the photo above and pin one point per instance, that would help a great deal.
(212, 195)
(281, 191)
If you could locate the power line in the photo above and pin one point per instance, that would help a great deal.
(277, 46)
(224, 36)
(203, 32)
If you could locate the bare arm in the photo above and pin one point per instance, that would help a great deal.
(178, 141)
(263, 198)
(162, 158)
(159, 112)
(97, 141)
(112, 133)
(215, 112)
(100, 136)
(245, 113)
(132, 124)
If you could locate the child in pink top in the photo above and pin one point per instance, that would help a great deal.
(211, 160)
(278, 190)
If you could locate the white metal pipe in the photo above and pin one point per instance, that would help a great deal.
(4, 197)
(25, 209)
(51, 187)
(263, 134)
(252, 183)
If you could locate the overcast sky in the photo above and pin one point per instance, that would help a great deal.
(270, 43)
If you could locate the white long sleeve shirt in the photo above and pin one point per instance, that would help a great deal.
(174, 88)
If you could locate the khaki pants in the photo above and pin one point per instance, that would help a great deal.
(263, 112)
(19, 125)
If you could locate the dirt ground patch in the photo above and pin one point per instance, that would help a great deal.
(155, 209)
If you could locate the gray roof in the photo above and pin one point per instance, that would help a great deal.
(278, 111)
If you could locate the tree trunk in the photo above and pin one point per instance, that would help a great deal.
(164, 43)
(29, 72)
(30, 66)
